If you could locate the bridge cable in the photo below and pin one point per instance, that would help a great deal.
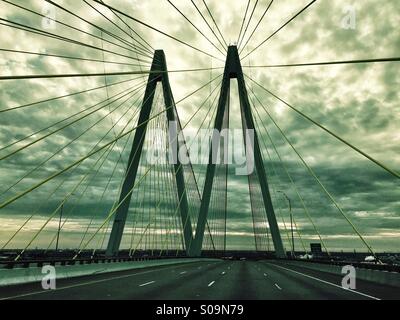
(194, 26)
(112, 212)
(392, 172)
(248, 24)
(392, 59)
(77, 75)
(156, 186)
(306, 211)
(125, 93)
(65, 96)
(157, 30)
(132, 30)
(19, 26)
(68, 57)
(4, 204)
(60, 121)
(74, 28)
(287, 232)
(253, 198)
(69, 167)
(294, 185)
(107, 185)
(135, 113)
(287, 173)
(173, 219)
(105, 157)
(68, 144)
(65, 199)
(188, 148)
(174, 182)
(167, 191)
(258, 24)
(261, 204)
(58, 209)
(106, 81)
(50, 195)
(120, 157)
(163, 167)
(208, 25)
(197, 133)
(244, 20)
(137, 184)
(151, 52)
(102, 29)
(215, 22)
(311, 171)
(279, 29)
(100, 149)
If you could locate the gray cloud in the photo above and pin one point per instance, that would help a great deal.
(358, 102)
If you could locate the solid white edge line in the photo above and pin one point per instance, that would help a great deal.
(326, 282)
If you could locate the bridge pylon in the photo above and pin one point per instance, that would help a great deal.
(158, 74)
(233, 70)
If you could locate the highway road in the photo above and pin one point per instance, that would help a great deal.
(216, 280)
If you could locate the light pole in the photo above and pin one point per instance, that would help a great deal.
(291, 220)
(59, 226)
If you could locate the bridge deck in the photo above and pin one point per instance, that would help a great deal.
(237, 280)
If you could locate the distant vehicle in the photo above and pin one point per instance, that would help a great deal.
(370, 259)
(243, 259)
(228, 258)
(306, 257)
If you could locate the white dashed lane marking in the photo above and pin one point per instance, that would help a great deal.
(147, 284)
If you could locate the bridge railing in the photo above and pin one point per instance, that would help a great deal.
(361, 265)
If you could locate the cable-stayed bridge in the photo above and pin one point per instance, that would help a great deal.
(120, 172)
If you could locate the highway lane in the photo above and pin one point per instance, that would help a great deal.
(219, 280)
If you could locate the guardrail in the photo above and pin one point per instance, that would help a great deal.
(11, 264)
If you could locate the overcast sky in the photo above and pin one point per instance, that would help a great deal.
(357, 102)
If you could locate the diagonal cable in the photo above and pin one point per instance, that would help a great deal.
(364, 154)
(194, 26)
(156, 30)
(279, 29)
(258, 24)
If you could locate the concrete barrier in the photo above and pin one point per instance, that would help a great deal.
(30, 275)
(376, 276)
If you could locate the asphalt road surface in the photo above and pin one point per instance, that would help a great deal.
(219, 280)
